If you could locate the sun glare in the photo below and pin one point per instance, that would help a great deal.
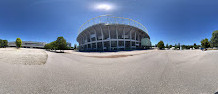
(104, 7)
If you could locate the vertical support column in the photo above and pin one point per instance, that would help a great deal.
(109, 38)
(131, 39)
(95, 39)
(90, 39)
(102, 36)
(79, 42)
(124, 38)
(139, 40)
(83, 42)
(135, 38)
(117, 38)
(87, 43)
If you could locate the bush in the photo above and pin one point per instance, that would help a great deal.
(160, 45)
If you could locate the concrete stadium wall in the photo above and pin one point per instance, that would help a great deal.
(111, 37)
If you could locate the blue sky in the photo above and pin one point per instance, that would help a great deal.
(173, 21)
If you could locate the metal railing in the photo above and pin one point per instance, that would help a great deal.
(109, 19)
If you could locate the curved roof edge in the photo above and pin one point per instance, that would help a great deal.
(109, 19)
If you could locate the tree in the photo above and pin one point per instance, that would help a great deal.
(18, 42)
(53, 45)
(1, 43)
(214, 39)
(175, 46)
(61, 43)
(167, 46)
(205, 43)
(160, 45)
(4, 43)
(47, 46)
(178, 45)
(171, 46)
(184, 46)
(195, 46)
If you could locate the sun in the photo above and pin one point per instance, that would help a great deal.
(104, 7)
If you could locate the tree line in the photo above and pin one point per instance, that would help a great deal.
(59, 44)
(205, 43)
(4, 43)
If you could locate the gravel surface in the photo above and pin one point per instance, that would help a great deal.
(23, 56)
(150, 72)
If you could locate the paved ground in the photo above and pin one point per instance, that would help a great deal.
(23, 56)
(150, 72)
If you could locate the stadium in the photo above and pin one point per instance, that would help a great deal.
(109, 33)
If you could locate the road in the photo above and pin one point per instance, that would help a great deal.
(153, 72)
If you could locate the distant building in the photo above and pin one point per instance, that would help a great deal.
(28, 44)
(68, 44)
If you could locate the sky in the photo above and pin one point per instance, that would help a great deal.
(173, 21)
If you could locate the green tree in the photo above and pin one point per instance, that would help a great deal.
(5, 43)
(171, 46)
(177, 46)
(214, 39)
(53, 45)
(205, 43)
(160, 45)
(61, 43)
(195, 46)
(167, 46)
(1, 43)
(47, 46)
(18, 42)
(184, 46)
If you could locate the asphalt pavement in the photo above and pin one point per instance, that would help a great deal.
(151, 72)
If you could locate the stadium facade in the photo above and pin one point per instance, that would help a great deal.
(109, 33)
